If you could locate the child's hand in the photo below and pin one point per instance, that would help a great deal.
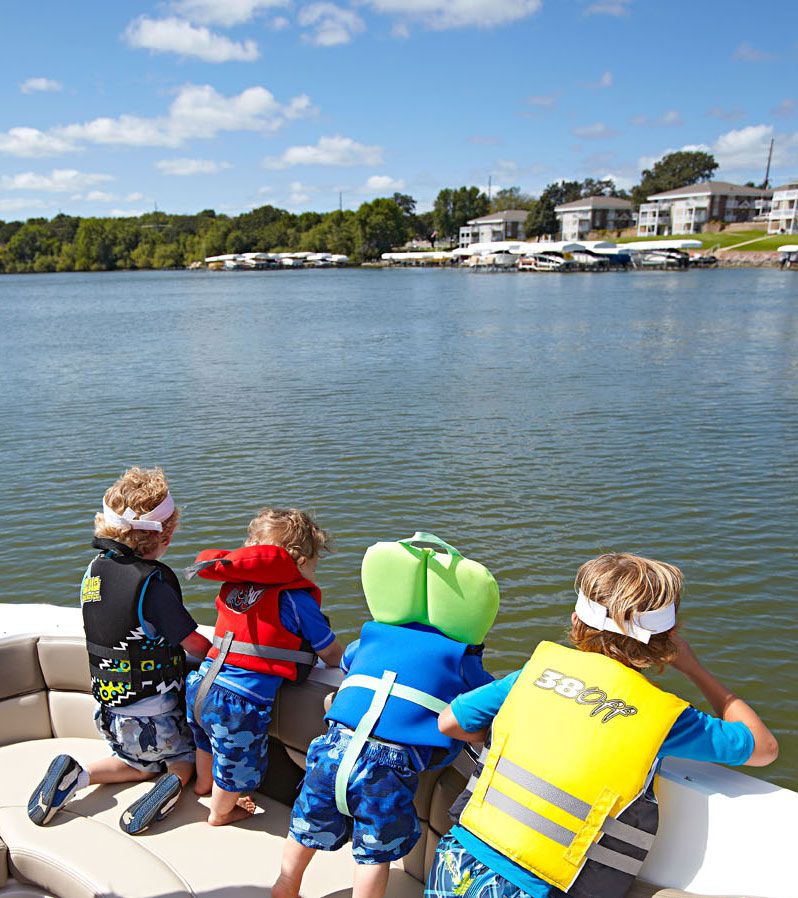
(685, 661)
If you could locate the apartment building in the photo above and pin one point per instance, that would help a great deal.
(686, 210)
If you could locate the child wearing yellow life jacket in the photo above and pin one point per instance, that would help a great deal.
(565, 803)
(432, 609)
(269, 628)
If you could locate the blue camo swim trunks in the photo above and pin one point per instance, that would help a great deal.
(235, 731)
(456, 872)
(147, 743)
(380, 794)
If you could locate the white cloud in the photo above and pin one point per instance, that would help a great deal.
(174, 35)
(190, 166)
(732, 114)
(58, 181)
(134, 197)
(383, 183)
(99, 196)
(483, 140)
(44, 85)
(299, 194)
(544, 101)
(784, 109)
(328, 151)
(30, 142)
(127, 213)
(279, 23)
(743, 150)
(596, 131)
(604, 81)
(16, 204)
(227, 13)
(668, 119)
(441, 14)
(400, 30)
(609, 8)
(747, 53)
(332, 25)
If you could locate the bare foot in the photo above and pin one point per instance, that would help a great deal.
(244, 808)
(285, 888)
(202, 789)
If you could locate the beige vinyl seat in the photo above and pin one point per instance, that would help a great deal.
(46, 708)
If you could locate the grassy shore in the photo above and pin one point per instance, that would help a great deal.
(726, 239)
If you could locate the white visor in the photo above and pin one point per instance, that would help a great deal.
(642, 627)
(130, 520)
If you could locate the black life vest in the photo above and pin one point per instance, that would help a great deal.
(126, 663)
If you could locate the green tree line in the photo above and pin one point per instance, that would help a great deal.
(161, 240)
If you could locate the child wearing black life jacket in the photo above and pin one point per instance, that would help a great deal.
(269, 628)
(432, 609)
(565, 803)
(137, 633)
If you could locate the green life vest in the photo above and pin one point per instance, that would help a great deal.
(424, 580)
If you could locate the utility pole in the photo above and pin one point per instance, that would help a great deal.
(767, 170)
(340, 201)
(490, 187)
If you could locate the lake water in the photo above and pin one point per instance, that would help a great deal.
(532, 420)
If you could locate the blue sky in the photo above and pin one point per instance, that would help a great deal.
(112, 108)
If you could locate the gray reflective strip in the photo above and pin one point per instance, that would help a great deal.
(559, 834)
(210, 675)
(110, 676)
(267, 652)
(543, 789)
(529, 818)
(626, 833)
(573, 805)
(408, 693)
(614, 859)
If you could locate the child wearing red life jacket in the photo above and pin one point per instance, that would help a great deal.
(565, 802)
(269, 629)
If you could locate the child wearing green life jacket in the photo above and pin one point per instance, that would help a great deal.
(432, 609)
(564, 803)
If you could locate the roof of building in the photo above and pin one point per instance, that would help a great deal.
(793, 185)
(504, 215)
(715, 188)
(595, 202)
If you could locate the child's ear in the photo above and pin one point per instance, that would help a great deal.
(574, 618)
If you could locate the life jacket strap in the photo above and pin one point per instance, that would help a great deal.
(572, 805)
(368, 721)
(408, 693)
(267, 652)
(211, 673)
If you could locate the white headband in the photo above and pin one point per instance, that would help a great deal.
(642, 628)
(130, 520)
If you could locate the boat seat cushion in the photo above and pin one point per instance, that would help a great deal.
(82, 853)
(19, 667)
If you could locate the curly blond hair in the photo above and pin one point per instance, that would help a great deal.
(141, 489)
(292, 529)
(627, 584)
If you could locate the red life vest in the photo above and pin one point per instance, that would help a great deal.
(248, 602)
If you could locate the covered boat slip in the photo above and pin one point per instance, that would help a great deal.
(722, 833)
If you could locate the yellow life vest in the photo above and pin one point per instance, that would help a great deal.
(572, 747)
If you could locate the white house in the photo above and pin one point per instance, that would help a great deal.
(593, 213)
(505, 225)
(783, 218)
(686, 210)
